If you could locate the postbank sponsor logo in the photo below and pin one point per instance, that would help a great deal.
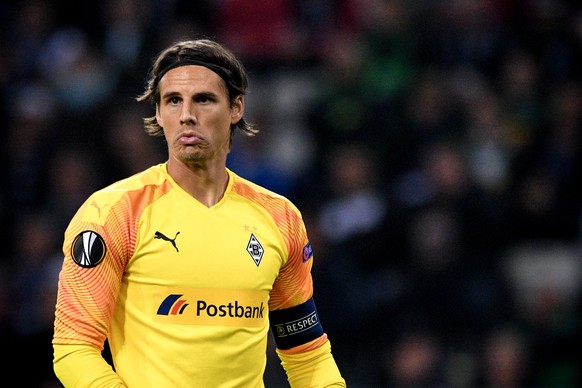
(210, 306)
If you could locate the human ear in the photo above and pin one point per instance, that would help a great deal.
(158, 116)
(237, 110)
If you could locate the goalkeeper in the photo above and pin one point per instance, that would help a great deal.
(186, 267)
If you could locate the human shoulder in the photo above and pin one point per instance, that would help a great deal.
(152, 177)
(258, 193)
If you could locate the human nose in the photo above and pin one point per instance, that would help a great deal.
(187, 116)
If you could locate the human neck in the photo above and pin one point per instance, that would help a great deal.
(206, 184)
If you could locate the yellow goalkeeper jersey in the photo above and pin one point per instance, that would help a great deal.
(181, 291)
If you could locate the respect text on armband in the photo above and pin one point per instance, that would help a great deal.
(297, 326)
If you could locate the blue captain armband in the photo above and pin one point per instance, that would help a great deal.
(296, 325)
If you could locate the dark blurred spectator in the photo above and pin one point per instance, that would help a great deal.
(32, 294)
(415, 360)
(355, 273)
(125, 30)
(81, 77)
(546, 279)
(464, 33)
(341, 111)
(548, 172)
(505, 362)
(390, 45)
(519, 87)
(128, 150)
(451, 235)
(28, 27)
(28, 128)
(489, 153)
(356, 205)
(263, 33)
(72, 172)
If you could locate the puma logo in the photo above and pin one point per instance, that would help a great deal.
(165, 238)
(98, 208)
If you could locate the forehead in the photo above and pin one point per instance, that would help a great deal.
(191, 77)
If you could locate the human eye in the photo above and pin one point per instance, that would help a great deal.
(204, 98)
(174, 100)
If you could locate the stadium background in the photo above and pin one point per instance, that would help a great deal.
(434, 147)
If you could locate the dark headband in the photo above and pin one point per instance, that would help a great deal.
(224, 73)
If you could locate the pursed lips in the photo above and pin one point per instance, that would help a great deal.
(189, 138)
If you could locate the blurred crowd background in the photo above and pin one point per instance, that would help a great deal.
(434, 148)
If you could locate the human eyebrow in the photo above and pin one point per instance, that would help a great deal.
(170, 95)
(205, 95)
(198, 96)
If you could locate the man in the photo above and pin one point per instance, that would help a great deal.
(185, 266)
